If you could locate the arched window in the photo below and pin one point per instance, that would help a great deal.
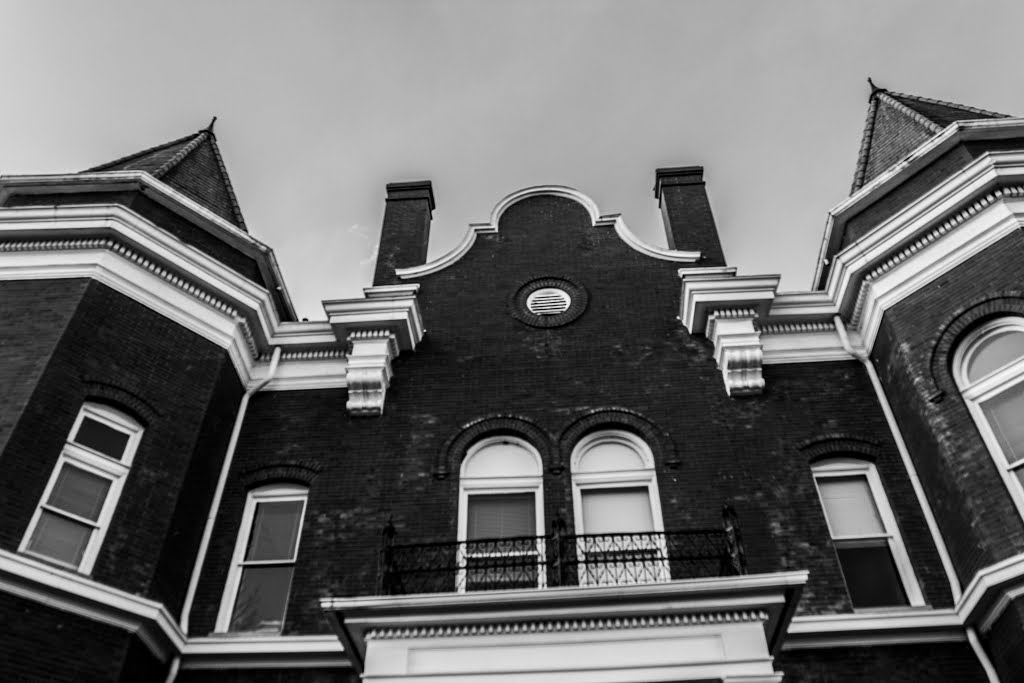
(871, 554)
(989, 369)
(79, 500)
(501, 516)
(617, 511)
(256, 592)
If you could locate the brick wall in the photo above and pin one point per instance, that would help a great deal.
(38, 311)
(626, 351)
(913, 354)
(1005, 642)
(119, 351)
(39, 643)
(932, 662)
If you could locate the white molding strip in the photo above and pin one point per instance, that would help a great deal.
(71, 592)
(864, 629)
(596, 218)
(254, 651)
(977, 605)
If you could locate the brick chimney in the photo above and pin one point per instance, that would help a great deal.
(686, 212)
(406, 230)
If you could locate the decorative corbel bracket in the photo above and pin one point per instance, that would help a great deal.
(738, 350)
(375, 330)
(369, 370)
(724, 307)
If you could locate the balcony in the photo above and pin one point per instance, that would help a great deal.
(560, 559)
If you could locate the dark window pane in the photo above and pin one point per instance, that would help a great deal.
(505, 515)
(60, 538)
(100, 437)
(262, 598)
(275, 531)
(79, 492)
(871, 575)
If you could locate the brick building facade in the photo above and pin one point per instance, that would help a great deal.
(553, 454)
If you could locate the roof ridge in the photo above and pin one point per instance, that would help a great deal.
(954, 105)
(865, 144)
(235, 207)
(197, 139)
(136, 155)
(915, 115)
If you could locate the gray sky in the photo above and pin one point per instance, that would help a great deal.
(322, 103)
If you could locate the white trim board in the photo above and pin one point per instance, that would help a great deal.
(863, 629)
(72, 592)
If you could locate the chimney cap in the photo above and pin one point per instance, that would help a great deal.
(417, 189)
(677, 175)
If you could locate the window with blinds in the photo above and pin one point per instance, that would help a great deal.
(78, 503)
(866, 541)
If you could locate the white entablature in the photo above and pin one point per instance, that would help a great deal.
(726, 628)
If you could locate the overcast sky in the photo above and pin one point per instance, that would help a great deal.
(320, 104)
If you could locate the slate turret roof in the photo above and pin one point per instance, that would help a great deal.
(898, 123)
(192, 165)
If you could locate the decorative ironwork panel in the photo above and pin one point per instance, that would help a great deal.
(558, 560)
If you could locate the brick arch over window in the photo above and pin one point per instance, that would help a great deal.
(836, 443)
(662, 447)
(294, 472)
(122, 399)
(449, 459)
(958, 324)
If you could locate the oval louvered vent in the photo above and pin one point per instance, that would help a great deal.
(548, 301)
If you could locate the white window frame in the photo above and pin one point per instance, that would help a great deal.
(482, 486)
(847, 467)
(988, 387)
(646, 477)
(272, 493)
(94, 462)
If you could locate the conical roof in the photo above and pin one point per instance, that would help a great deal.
(192, 165)
(898, 123)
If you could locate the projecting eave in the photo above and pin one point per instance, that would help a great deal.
(953, 134)
(171, 199)
(597, 219)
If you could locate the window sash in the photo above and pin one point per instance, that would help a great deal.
(94, 463)
(890, 534)
(227, 616)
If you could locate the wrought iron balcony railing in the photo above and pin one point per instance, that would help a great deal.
(560, 559)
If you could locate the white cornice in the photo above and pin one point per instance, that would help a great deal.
(705, 293)
(80, 595)
(596, 219)
(115, 246)
(988, 593)
(254, 651)
(166, 196)
(959, 131)
(874, 628)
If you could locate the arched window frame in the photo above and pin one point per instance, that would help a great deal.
(850, 466)
(497, 485)
(976, 393)
(97, 463)
(271, 493)
(643, 477)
